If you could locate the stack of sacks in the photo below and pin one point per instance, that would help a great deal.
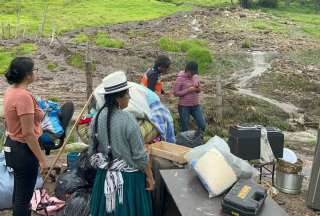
(216, 167)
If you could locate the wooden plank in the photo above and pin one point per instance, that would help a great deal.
(192, 199)
(170, 151)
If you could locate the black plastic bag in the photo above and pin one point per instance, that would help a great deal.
(77, 205)
(84, 168)
(190, 139)
(69, 182)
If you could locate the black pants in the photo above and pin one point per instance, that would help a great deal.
(25, 166)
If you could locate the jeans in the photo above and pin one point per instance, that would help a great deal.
(25, 166)
(195, 112)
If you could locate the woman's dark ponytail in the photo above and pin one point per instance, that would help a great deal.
(111, 104)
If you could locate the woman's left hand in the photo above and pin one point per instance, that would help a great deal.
(150, 183)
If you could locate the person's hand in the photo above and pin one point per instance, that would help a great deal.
(150, 183)
(43, 167)
(193, 89)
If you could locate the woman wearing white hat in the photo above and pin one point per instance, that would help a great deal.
(123, 177)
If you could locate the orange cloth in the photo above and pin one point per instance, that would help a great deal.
(158, 87)
(18, 102)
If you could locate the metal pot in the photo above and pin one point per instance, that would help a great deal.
(289, 183)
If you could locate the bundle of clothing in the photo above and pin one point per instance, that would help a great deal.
(146, 106)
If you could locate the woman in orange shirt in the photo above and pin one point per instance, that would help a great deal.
(23, 128)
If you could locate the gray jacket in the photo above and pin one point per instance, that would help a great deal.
(126, 139)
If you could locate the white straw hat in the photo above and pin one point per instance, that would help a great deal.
(115, 82)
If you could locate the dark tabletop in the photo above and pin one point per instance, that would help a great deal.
(192, 199)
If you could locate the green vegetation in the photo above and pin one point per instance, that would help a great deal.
(74, 14)
(76, 60)
(305, 17)
(195, 50)
(174, 45)
(246, 43)
(207, 3)
(5, 59)
(8, 53)
(200, 55)
(52, 65)
(306, 57)
(81, 38)
(230, 62)
(240, 109)
(103, 40)
(169, 44)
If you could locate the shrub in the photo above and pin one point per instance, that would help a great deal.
(103, 40)
(246, 3)
(191, 43)
(246, 43)
(172, 45)
(24, 49)
(81, 38)
(268, 3)
(169, 44)
(52, 66)
(201, 55)
(5, 59)
(76, 60)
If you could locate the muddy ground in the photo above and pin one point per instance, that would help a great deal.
(141, 47)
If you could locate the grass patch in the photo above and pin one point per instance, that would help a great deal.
(200, 55)
(175, 45)
(306, 57)
(242, 109)
(246, 43)
(195, 50)
(169, 44)
(206, 3)
(103, 40)
(8, 53)
(52, 65)
(81, 38)
(5, 59)
(75, 14)
(25, 49)
(230, 62)
(305, 17)
(76, 60)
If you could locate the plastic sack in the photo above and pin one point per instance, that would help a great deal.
(84, 168)
(43, 204)
(189, 139)
(199, 151)
(214, 172)
(51, 120)
(76, 147)
(148, 131)
(68, 183)
(78, 204)
(241, 167)
(6, 183)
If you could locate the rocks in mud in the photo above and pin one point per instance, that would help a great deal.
(42, 57)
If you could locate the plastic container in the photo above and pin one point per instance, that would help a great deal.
(72, 159)
(246, 198)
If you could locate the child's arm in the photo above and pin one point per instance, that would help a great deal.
(196, 80)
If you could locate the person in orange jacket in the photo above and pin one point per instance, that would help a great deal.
(151, 79)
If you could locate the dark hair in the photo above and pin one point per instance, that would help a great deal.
(19, 68)
(111, 103)
(192, 67)
(162, 61)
